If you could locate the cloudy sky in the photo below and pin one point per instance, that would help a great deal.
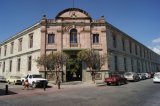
(138, 18)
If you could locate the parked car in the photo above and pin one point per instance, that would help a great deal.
(116, 80)
(156, 77)
(14, 80)
(36, 80)
(2, 79)
(141, 76)
(147, 75)
(131, 76)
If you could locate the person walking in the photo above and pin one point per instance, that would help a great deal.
(26, 84)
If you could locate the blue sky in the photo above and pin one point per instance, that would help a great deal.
(138, 18)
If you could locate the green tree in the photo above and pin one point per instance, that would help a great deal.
(93, 60)
(53, 62)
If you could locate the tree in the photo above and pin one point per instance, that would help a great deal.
(93, 60)
(60, 59)
(53, 62)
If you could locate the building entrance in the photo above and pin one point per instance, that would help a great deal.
(73, 69)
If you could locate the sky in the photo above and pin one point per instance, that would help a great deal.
(140, 19)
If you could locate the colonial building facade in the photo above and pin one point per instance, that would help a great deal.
(73, 30)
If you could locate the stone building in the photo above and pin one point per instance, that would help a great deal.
(73, 30)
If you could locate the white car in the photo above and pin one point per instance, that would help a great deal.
(156, 77)
(131, 76)
(14, 80)
(2, 79)
(36, 80)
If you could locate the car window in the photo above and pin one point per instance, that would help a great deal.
(37, 76)
(30, 76)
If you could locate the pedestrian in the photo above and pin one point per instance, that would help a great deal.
(26, 84)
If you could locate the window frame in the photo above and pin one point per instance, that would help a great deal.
(51, 38)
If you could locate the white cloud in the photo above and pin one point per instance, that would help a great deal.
(156, 49)
(156, 40)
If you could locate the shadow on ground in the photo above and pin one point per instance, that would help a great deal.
(3, 92)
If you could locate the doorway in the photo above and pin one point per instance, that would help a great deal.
(73, 69)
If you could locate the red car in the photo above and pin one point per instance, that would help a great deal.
(116, 80)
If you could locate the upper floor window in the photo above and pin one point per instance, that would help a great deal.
(51, 38)
(20, 45)
(12, 46)
(136, 52)
(130, 46)
(95, 38)
(140, 50)
(73, 36)
(31, 40)
(123, 44)
(5, 50)
(0, 51)
(114, 41)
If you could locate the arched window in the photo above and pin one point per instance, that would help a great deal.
(73, 36)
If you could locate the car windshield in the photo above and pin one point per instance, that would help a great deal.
(128, 74)
(1, 76)
(157, 74)
(15, 77)
(37, 76)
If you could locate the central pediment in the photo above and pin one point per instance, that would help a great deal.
(73, 13)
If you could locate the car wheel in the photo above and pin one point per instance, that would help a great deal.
(33, 84)
(8, 82)
(108, 84)
(118, 83)
(125, 82)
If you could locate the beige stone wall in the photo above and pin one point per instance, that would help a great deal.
(23, 55)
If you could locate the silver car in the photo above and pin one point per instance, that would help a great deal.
(131, 76)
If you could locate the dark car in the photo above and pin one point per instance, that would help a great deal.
(116, 80)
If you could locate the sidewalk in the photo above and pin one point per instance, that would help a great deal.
(18, 92)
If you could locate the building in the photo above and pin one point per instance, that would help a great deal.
(73, 30)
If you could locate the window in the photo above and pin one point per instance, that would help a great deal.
(125, 64)
(29, 63)
(73, 36)
(18, 64)
(0, 65)
(0, 51)
(136, 49)
(10, 65)
(31, 40)
(51, 38)
(95, 38)
(5, 50)
(123, 44)
(132, 64)
(20, 45)
(114, 41)
(130, 46)
(116, 63)
(4, 66)
(140, 50)
(12, 45)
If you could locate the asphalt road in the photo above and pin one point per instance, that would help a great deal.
(143, 93)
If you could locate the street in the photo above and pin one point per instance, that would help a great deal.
(142, 93)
